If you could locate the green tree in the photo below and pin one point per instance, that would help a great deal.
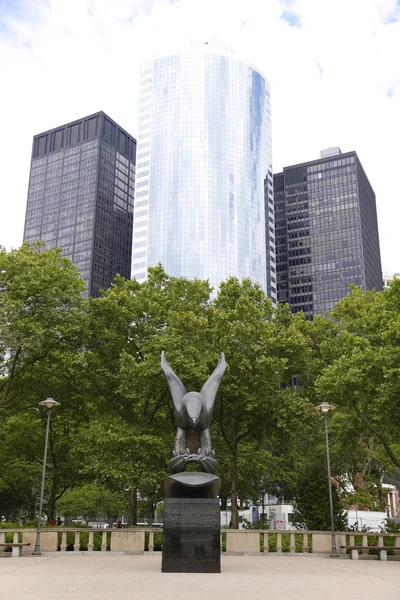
(19, 469)
(311, 501)
(359, 461)
(132, 411)
(351, 359)
(125, 457)
(255, 406)
(132, 422)
(91, 501)
(42, 332)
(362, 370)
(21, 457)
(40, 317)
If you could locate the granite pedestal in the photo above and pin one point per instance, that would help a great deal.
(191, 535)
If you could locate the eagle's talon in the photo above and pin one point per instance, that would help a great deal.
(208, 451)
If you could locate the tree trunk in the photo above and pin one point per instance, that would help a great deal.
(152, 514)
(132, 507)
(234, 494)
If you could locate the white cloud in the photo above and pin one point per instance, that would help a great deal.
(332, 64)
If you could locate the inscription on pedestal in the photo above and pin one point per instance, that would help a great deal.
(191, 535)
(191, 514)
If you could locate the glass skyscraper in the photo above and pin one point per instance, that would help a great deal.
(204, 153)
(81, 195)
(326, 232)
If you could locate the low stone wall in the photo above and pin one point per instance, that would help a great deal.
(238, 541)
(243, 541)
(127, 541)
(48, 540)
(322, 543)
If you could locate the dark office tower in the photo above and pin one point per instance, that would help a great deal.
(81, 196)
(270, 236)
(280, 240)
(326, 232)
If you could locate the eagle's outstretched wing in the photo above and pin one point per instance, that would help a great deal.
(176, 386)
(210, 388)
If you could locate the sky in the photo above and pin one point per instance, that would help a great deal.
(333, 66)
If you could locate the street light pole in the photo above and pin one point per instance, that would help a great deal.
(49, 404)
(324, 409)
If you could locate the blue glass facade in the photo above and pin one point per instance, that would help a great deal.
(203, 153)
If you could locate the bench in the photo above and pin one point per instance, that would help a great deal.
(16, 547)
(381, 550)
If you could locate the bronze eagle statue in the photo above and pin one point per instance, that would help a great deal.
(193, 412)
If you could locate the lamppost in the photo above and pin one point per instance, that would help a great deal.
(324, 409)
(49, 404)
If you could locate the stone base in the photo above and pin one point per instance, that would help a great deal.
(191, 536)
(192, 485)
(48, 540)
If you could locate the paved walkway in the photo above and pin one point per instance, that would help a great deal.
(120, 577)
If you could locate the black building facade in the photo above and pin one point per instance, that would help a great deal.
(326, 232)
(270, 237)
(81, 197)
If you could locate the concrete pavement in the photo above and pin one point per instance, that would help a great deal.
(138, 577)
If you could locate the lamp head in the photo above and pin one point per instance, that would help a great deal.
(325, 408)
(49, 403)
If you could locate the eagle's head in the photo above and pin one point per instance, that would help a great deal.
(193, 404)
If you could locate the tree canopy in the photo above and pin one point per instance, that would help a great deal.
(114, 431)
